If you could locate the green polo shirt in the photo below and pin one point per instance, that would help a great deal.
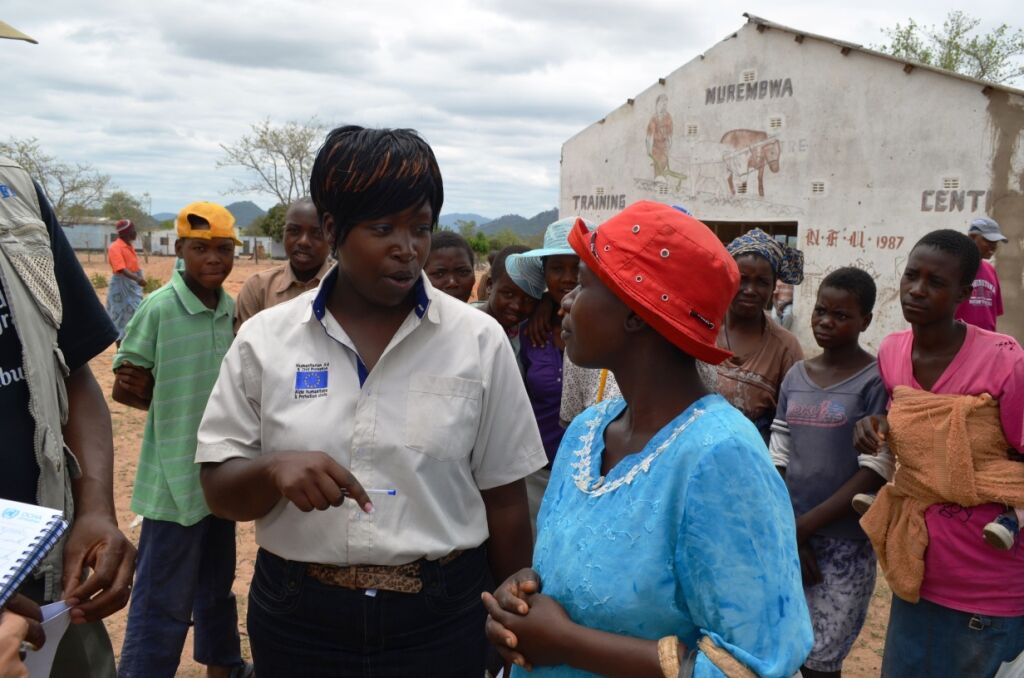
(182, 342)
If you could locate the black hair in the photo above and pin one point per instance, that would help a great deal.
(498, 266)
(857, 282)
(361, 173)
(441, 239)
(960, 246)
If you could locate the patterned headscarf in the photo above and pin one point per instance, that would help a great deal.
(787, 262)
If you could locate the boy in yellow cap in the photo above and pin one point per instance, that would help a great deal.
(167, 364)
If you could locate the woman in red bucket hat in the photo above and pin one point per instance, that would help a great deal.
(638, 576)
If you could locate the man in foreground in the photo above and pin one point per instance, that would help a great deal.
(58, 444)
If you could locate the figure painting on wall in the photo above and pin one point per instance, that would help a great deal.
(659, 141)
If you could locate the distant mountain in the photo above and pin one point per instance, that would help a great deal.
(520, 225)
(245, 212)
(164, 216)
(449, 220)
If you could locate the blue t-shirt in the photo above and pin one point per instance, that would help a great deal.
(691, 536)
(820, 421)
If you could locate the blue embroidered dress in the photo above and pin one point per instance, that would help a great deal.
(694, 535)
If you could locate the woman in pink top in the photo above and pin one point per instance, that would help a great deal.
(970, 618)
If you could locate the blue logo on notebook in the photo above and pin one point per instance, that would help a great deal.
(11, 513)
(311, 380)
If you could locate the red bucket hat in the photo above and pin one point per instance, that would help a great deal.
(669, 268)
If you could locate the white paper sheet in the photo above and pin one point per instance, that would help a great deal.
(56, 618)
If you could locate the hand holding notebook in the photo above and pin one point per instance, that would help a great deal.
(27, 534)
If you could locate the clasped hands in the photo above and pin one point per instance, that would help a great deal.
(527, 628)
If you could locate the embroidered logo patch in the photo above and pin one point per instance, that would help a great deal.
(6, 191)
(311, 380)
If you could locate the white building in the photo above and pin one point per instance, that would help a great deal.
(163, 243)
(96, 235)
(92, 234)
(850, 154)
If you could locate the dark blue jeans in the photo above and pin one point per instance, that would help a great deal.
(926, 640)
(183, 574)
(301, 627)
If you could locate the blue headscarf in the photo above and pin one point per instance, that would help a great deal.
(787, 262)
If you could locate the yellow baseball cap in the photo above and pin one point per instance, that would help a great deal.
(219, 223)
(10, 32)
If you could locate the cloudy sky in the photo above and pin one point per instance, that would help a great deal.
(146, 91)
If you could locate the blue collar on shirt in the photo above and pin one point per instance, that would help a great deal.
(320, 310)
(320, 301)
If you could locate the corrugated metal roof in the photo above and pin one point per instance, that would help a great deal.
(882, 55)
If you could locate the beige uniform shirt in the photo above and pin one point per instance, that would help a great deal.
(443, 415)
(272, 287)
(751, 383)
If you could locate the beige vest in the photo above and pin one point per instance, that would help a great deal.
(33, 299)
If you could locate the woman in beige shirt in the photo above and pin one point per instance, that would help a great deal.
(762, 350)
(382, 390)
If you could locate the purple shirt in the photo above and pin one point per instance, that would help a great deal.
(543, 370)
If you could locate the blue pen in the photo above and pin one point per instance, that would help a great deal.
(379, 490)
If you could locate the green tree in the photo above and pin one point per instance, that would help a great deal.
(479, 243)
(957, 46)
(271, 223)
(124, 205)
(477, 239)
(535, 242)
(467, 229)
(278, 158)
(73, 188)
(503, 239)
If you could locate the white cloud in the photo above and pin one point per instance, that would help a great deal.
(148, 91)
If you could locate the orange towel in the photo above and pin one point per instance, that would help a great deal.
(948, 449)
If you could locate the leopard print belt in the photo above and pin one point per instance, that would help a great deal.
(400, 578)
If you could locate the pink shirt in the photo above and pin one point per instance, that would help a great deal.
(986, 301)
(961, 571)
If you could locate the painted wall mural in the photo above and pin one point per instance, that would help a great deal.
(752, 150)
(727, 169)
(659, 141)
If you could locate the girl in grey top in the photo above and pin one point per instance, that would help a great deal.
(820, 401)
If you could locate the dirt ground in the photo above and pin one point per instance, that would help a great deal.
(863, 662)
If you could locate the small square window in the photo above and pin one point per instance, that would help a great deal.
(691, 130)
(951, 183)
(749, 75)
(817, 187)
(662, 189)
(775, 122)
(599, 190)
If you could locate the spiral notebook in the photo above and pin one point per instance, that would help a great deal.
(27, 534)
